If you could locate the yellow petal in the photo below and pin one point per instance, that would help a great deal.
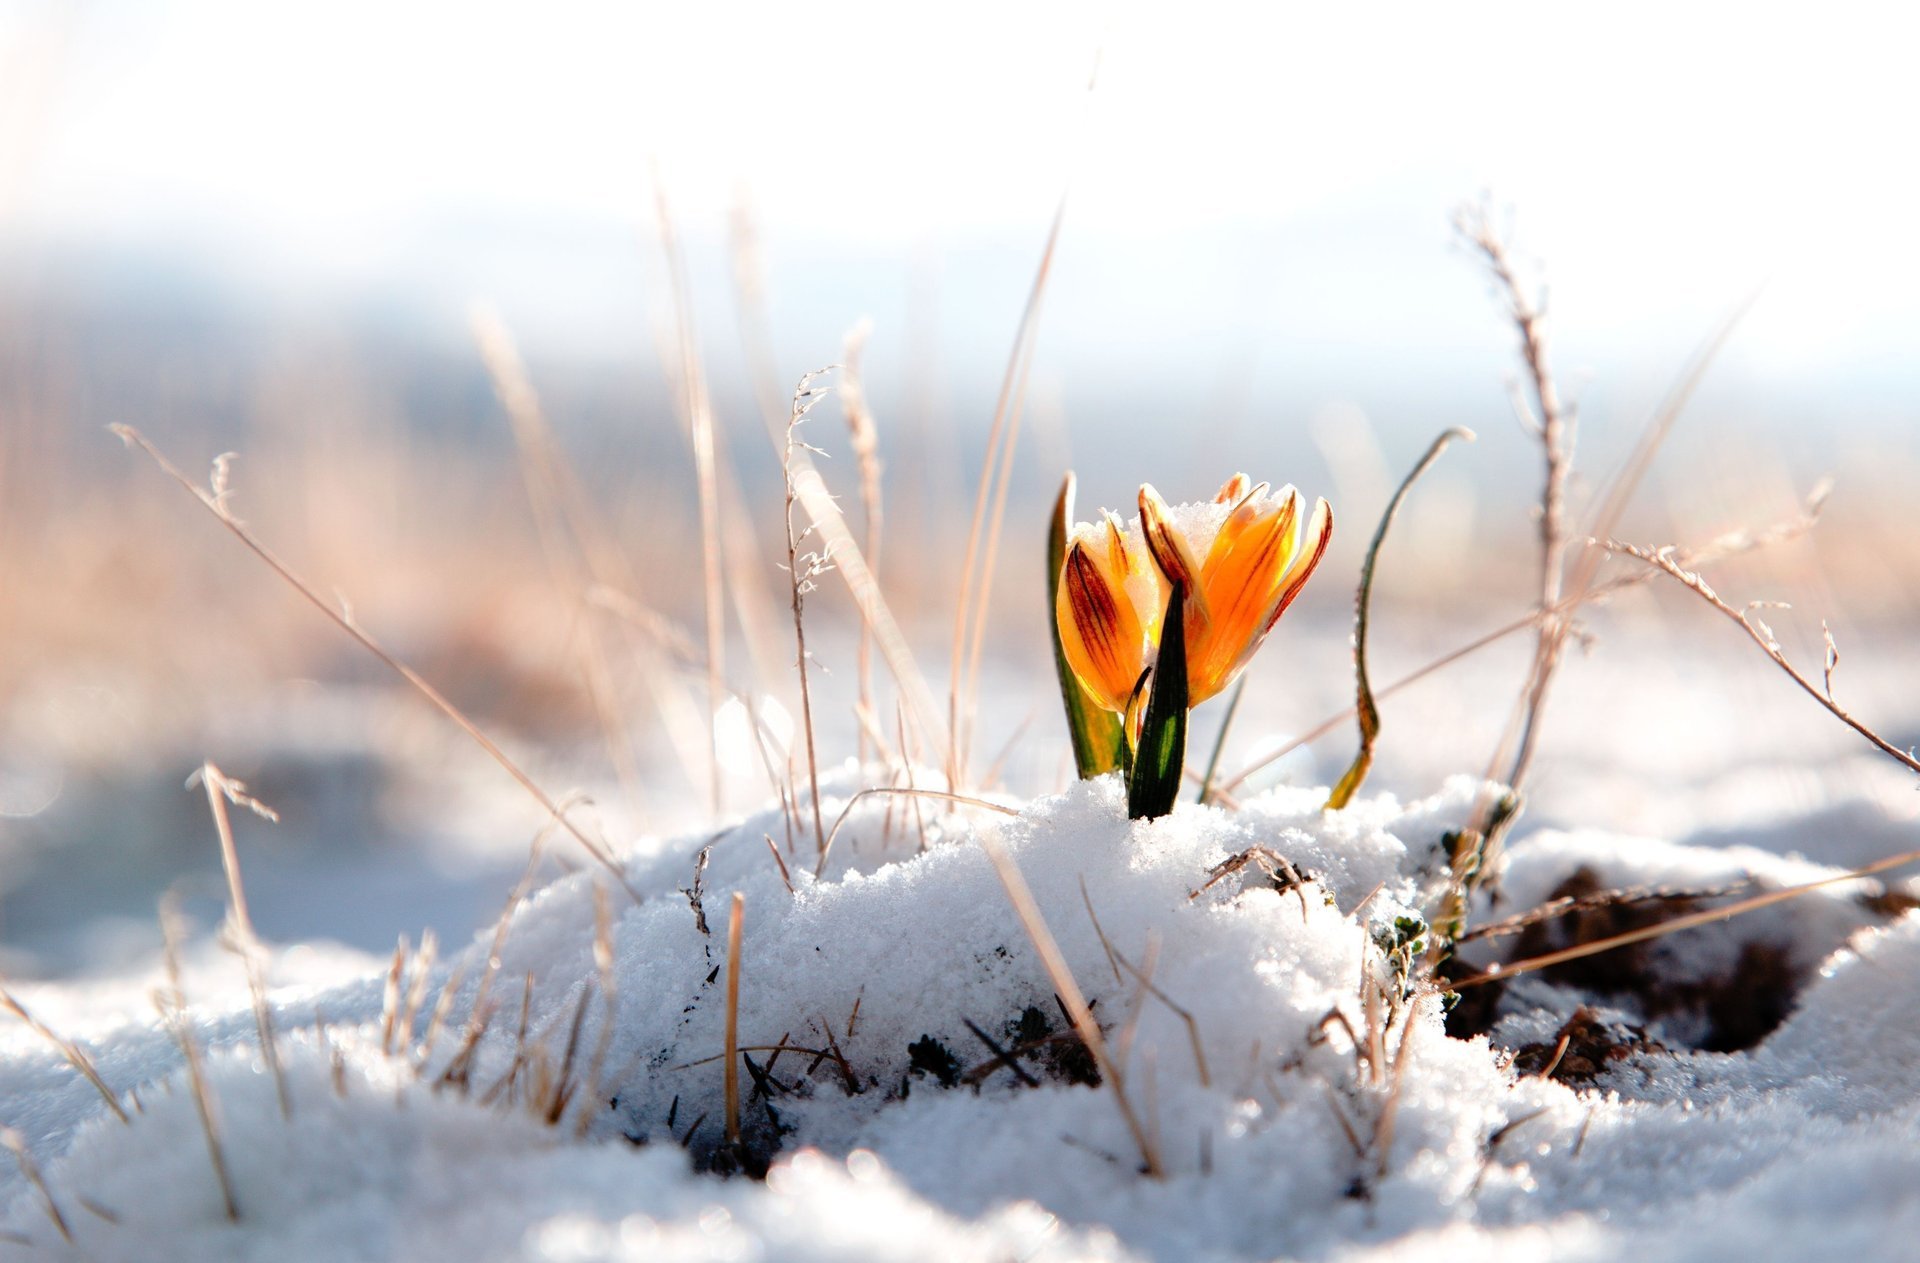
(1241, 578)
(1100, 633)
(1234, 490)
(1316, 537)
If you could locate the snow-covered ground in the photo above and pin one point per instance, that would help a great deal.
(1744, 1090)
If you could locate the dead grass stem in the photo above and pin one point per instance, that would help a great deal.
(1021, 897)
(736, 919)
(171, 1001)
(71, 1052)
(976, 574)
(221, 790)
(558, 522)
(864, 437)
(30, 1170)
(697, 409)
(214, 500)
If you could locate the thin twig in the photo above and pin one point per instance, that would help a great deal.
(1664, 561)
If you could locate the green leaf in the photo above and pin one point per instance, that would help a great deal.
(1098, 746)
(1364, 708)
(1162, 751)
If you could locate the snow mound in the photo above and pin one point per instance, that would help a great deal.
(916, 1091)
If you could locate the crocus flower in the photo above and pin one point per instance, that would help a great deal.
(1241, 560)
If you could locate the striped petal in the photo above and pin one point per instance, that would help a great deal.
(1168, 547)
(1100, 632)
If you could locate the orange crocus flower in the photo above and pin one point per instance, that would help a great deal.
(1258, 549)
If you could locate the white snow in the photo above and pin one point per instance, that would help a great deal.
(1276, 1140)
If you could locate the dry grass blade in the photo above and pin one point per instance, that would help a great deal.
(73, 1054)
(1498, 972)
(1356, 773)
(542, 470)
(1021, 897)
(736, 919)
(172, 1005)
(865, 438)
(30, 1171)
(976, 575)
(1143, 978)
(215, 503)
(459, 1068)
(609, 1000)
(698, 410)
(221, 790)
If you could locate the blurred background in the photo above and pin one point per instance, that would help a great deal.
(267, 229)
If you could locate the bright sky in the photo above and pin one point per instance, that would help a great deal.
(1666, 159)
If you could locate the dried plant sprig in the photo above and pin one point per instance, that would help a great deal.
(221, 790)
(1364, 707)
(1476, 849)
(804, 570)
(133, 438)
(1665, 562)
(1552, 424)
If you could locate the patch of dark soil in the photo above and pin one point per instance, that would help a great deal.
(1584, 1048)
(1734, 1010)
(928, 1057)
(1890, 904)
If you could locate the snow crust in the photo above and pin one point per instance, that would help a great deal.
(1276, 1140)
